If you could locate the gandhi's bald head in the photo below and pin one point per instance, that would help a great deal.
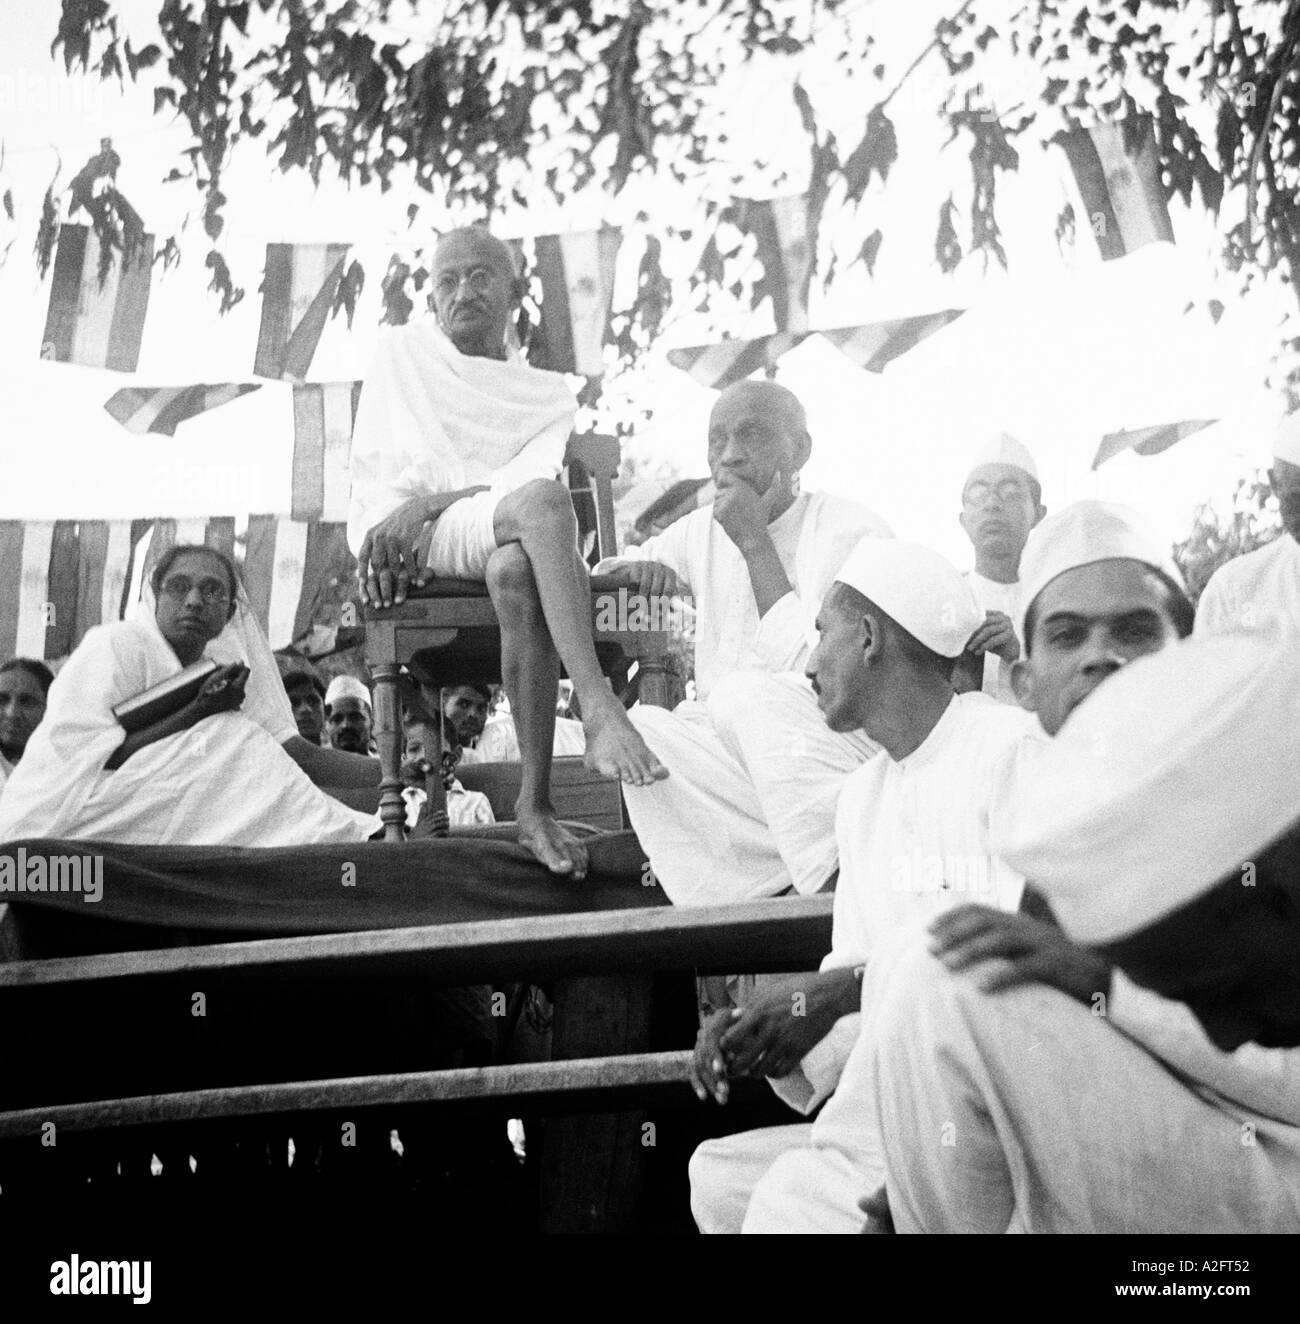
(475, 289)
(482, 244)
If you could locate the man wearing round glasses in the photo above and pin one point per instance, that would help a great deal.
(1001, 502)
(457, 447)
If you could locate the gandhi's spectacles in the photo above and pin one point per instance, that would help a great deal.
(449, 283)
(179, 587)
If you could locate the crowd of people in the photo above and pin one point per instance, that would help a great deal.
(1057, 806)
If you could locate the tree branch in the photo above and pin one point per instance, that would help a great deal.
(934, 41)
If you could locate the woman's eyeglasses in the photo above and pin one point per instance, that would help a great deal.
(179, 587)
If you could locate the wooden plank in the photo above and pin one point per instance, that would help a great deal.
(572, 1086)
(783, 933)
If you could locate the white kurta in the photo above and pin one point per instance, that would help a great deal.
(813, 538)
(748, 808)
(1058, 1120)
(1005, 598)
(224, 782)
(913, 841)
(1254, 590)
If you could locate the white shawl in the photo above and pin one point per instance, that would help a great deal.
(432, 419)
(63, 765)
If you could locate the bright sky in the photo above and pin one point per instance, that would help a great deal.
(1058, 350)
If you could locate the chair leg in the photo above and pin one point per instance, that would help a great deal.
(388, 736)
(434, 788)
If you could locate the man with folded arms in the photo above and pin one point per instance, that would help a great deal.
(455, 454)
(749, 809)
(1264, 585)
(1162, 828)
(911, 827)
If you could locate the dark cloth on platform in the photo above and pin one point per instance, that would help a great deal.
(306, 889)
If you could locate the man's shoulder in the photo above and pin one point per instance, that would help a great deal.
(1251, 565)
(995, 726)
(842, 513)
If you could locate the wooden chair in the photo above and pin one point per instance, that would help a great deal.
(453, 625)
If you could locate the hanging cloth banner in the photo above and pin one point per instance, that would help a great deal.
(878, 343)
(323, 415)
(871, 347)
(1148, 441)
(298, 291)
(1117, 169)
(97, 326)
(781, 230)
(163, 409)
(577, 275)
(731, 361)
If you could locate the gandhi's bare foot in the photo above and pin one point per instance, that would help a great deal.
(554, 845)
(615, 747)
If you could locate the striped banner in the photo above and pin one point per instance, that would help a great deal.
(323, 415)
(162, 409)
(577, 275)
(298, 289)
(785, 247)
(879, 343)
(1117, 169)
(297, 574)
(70, 577)
(98, 326)
(1148, 441)
(732, 361)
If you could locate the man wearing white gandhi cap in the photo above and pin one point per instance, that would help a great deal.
(1264, 585)
(1163, 826)
(1001, 501)
(911, 830)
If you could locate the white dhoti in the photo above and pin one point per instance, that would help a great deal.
(748, 808)
(725, 1171)
(464, 536)
(1023, 1110)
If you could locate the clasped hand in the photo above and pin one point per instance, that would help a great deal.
(767, 1037)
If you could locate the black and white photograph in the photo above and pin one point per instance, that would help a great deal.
(642, 620)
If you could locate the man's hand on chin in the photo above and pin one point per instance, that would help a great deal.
(741, 512)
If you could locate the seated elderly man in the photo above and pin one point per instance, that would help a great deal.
(455, 454)
(1264, 585)
(1162, 828)
(24, 688)
(749, 809)
(912, 833)
(225, 768)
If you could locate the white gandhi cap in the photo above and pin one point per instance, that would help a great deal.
(1080, 534)
(346, 687)
(918, 588)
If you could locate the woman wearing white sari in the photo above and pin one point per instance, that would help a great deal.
(224, 770)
